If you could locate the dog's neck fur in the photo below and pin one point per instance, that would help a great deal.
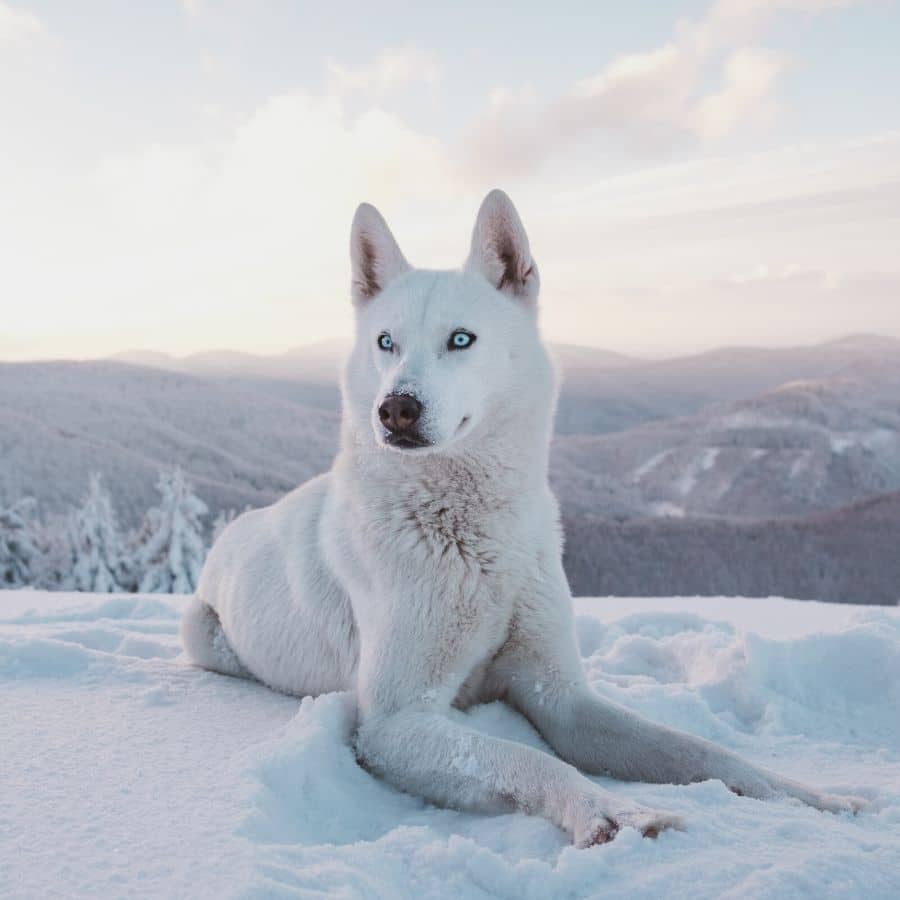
(501, 462)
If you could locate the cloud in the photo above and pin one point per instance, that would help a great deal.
(788, 305)
(734, 22)
(242, 241)
(192, 8)
(239, 241)
(18, 28)
(706, 251)
(391, 69)
(650, 99)
(747, 94)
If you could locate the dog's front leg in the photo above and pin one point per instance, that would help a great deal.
(418, 743)
(544, 679)
(603, 738)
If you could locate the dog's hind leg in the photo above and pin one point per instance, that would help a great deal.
(205, 643)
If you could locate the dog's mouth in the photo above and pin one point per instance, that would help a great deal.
(413, 440)
(406, 441)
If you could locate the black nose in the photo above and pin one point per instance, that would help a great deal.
(399, 413)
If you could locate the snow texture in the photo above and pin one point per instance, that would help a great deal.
(127, 773)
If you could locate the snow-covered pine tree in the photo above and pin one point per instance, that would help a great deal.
(52, 568)
(171, 548)
(18, 549)
(97, 553)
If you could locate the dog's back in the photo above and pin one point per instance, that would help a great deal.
(285, 616)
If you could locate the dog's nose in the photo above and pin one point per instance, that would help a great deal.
(399, 412)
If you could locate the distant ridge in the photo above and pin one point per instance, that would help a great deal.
(236, 361)
(847, 555)
(320, 361)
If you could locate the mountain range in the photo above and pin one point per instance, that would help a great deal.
(716, 444)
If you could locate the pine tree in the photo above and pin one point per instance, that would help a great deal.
(171, 548)
(18, 549)
(97, 552)
(52, 568)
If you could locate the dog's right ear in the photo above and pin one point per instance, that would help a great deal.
(374, 255)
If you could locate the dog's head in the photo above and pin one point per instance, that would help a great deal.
(442, 356)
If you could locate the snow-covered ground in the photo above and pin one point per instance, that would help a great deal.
(125, 773)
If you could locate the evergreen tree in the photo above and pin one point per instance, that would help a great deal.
(171, 548)
(52, 569)
(18, 549)
(97, 552)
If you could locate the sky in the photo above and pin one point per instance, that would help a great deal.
(180, 175)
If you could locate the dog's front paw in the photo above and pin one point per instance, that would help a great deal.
(598, 822)
(599, 830)
(838, 803)
(649, 822)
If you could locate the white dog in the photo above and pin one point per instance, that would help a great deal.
(424, 571)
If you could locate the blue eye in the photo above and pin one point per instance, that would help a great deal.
(385, 342)
(460, 339)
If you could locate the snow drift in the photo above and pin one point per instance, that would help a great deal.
(125, 772)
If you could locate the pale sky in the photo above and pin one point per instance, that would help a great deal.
(181, 176)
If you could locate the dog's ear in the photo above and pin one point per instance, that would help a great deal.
(374, 255)
(500, 249)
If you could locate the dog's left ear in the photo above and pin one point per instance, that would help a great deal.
(500, 249)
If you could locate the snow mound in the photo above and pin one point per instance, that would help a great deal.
(127, 772)
(714, 679)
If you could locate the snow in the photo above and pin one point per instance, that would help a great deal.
(664, 509)
(877, 440)
(687, 480)
(126, 773)
(647, 467)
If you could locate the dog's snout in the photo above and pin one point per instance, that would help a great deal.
(399, 412)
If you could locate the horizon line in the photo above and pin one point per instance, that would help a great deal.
(122, 355)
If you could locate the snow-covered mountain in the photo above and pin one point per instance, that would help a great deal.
(802, 447)
(307, 375)
(245, 432)
(811, 430)
(602, 391)
(321, 361)
(133, 775)
(61, 421)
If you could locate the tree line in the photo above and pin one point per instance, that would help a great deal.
(87, 550)
(849, 555)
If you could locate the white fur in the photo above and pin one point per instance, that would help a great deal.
(427, 580)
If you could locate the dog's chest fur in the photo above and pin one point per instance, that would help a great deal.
(443, 557)
(459, 515)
